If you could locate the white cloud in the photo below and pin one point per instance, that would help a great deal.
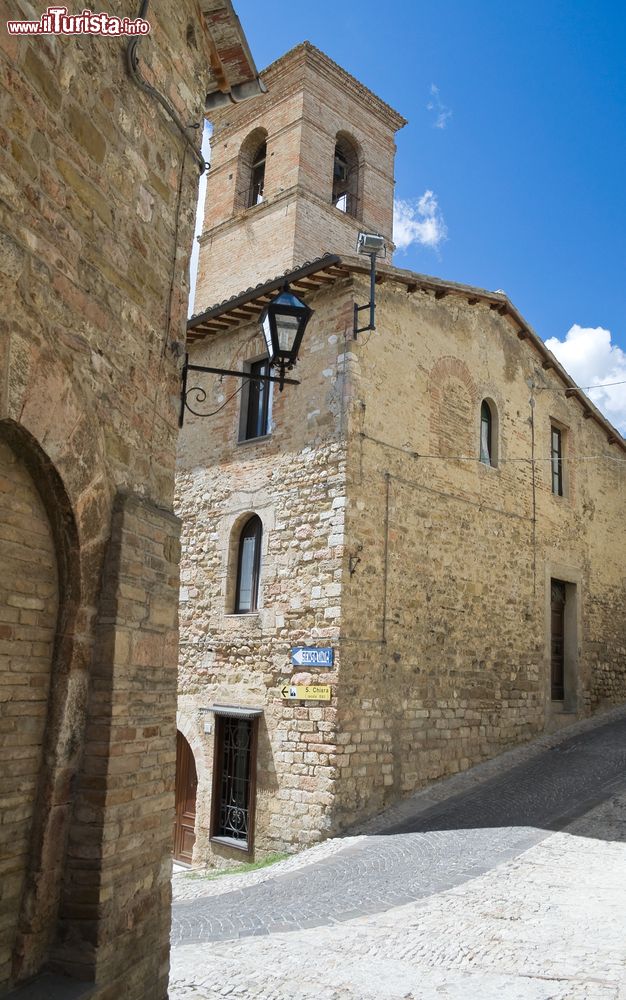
(442, 112)
(590, 357)
(418, 221)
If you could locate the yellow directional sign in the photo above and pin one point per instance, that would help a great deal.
(307, 692)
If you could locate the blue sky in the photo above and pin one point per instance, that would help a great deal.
(511, 171)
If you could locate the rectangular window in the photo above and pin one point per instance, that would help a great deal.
(556, 456)
(234, 780)
(557, 639)
(256, 403)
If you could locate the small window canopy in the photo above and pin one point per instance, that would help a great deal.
(236, 711)
(283, 322)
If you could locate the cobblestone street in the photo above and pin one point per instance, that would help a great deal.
(505, 882)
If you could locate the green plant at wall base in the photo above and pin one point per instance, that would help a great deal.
(250, 866)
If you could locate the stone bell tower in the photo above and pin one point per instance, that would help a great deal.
(295, 173)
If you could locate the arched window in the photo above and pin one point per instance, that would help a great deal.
(257, 176)
(346, 176)
(250, 183)
(248, 566)
(488, 434)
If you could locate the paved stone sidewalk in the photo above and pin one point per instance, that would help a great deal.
(445, 906)
(192, 884)
(447, 844)
(548, 925)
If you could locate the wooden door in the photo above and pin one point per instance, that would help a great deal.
(557, 635)
(186, 785)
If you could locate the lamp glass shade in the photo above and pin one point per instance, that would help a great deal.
(283, 322)
(267, 334)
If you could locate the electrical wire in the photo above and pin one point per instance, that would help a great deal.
(501, 461)
(472, 458)
(571, 388)
(168, 315)
(132, 62)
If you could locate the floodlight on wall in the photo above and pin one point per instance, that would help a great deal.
(283, 322)
(371, 244)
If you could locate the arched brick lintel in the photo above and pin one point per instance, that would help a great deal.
(451, 367)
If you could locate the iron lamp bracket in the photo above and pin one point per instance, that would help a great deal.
(198, 394)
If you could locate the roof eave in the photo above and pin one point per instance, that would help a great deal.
(501, 303)
(235, 76)
(231, 312)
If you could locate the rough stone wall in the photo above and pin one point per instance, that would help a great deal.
(309, 101)
(437, 591)
(450, 600)
(96, 222)
(294, 480)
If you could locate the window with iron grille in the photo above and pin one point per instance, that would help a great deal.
(234, 781)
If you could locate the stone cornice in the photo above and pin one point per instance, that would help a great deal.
(295, 194)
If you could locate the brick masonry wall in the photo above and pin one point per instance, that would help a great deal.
(309, 101)
(96, 222)
(28, 615)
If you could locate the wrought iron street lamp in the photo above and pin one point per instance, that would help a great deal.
(283, 322)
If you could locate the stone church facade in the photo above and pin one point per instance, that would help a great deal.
(96, 222)
(436, 501)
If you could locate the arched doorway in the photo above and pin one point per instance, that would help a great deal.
(186, 787)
